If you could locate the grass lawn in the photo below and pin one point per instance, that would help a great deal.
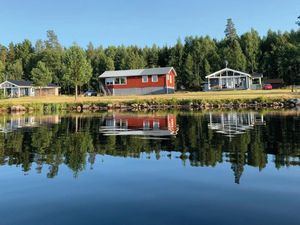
(209, 96)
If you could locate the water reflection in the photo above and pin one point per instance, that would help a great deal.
(232, 123)
(199, 139)
(9, 123)
(148, 126)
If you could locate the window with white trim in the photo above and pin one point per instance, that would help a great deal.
(155, 124)
(109, 81)
(170, 79)
(144, 79)
(154, 78)
(123, 80)
(146, 125)
(120, 80)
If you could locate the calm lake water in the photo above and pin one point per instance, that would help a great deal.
(150, 168)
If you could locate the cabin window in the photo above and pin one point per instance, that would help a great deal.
(155, 124)
(146, 124)
(154, 78)
(170, 79)
(121, 80)
(122, 123)
(145, 79)
(110, 123)
(109, 81)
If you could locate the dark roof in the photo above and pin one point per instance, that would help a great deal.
(21, 82)
(257, 75)
(274, 81)
(27, 83)
(52, 85)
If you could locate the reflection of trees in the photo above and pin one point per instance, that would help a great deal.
(78, 145)
(41, 139)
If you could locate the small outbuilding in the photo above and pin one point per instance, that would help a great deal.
(19, 88)
(138, 81)
(276, 83)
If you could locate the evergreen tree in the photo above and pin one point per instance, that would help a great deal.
(52, 40)
(90, 52)
(53, 59)
(39, 46)
(41, 76)
(3, 53)
(52, 55)
(15, 70)
(230, 31)
(11, 53)
(2, 71)
(176, 60)
(100, 64)
(273, 54)
(233, 53)
(151, 56)
(78, 70)
(133, 60)
(119, 59)
(24, 52)
(250, 43)
(163, 56)
(192, 80)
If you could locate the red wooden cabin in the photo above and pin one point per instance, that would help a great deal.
(138, 81)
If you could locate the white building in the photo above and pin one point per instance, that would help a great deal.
(19, 88)
(229, 79)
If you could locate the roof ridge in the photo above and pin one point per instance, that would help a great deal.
(136, 72)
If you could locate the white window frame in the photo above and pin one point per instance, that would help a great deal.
(156, 125)
(125, 78)
(109, 81)
(119, 78)
(146, 124)
(170, 79)
(154, 81)
(145, 81)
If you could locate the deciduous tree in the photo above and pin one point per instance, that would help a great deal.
(78, 70)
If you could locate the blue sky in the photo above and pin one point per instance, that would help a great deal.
(139, 22)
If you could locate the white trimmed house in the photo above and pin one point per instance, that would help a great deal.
(138, 81)
(19, 88)
(229, 79)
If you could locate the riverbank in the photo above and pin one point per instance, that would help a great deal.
(179, 100)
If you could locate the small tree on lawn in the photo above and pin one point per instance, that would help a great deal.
(41, 76)
(78, 70)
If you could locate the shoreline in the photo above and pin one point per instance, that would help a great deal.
(156, 104)
(248, 99)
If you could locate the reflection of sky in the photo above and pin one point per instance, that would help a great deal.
(150, 191)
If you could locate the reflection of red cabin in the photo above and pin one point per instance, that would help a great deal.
(152, 125)
(139, 81)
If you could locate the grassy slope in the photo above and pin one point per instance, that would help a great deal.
(206, 96)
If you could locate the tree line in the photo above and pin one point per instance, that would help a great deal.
(276, 55)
